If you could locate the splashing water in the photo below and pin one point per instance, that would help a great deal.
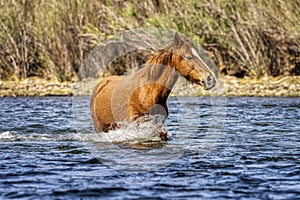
(132, 132)
(127, 132)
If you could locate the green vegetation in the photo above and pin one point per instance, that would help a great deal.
(50, 38)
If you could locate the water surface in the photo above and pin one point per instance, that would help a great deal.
(256, 156)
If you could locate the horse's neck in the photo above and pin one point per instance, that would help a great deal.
(160, 70)
(167, 76)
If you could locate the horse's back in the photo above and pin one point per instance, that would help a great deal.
(100, 106)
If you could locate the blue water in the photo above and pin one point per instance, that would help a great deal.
(45, 155)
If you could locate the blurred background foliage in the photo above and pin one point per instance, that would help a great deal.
(50, 38)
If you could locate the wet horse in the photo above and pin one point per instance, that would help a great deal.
(144, 93)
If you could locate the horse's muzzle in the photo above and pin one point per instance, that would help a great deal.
(209, 83)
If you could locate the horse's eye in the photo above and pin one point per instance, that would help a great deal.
(189, 58)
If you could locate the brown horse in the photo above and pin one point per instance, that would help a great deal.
(144, 93)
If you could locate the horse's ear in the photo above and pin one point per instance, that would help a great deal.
(177, 40)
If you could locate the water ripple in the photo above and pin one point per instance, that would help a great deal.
(256, 157)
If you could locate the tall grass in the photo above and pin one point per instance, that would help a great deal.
(50, 39)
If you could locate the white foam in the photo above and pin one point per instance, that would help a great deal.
(6, 136)
(127, 132)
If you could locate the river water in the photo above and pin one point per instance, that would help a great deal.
(246, 149)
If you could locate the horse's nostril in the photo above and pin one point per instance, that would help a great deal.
(210, 81)
(209, 78)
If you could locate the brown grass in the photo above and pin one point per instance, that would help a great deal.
(51, 38)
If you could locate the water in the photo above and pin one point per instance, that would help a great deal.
(257, 156)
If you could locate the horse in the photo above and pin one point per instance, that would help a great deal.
(145, 92)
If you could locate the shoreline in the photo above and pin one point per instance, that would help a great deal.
(264, 87)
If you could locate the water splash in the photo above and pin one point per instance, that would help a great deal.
(127, 132)
(7, 136)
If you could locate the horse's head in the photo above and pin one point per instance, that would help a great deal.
(190, 65)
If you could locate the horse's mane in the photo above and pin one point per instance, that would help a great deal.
(165, 59)
(162, 60)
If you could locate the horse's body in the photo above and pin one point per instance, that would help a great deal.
(119, 98)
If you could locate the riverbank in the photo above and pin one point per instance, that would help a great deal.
(265, 87)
